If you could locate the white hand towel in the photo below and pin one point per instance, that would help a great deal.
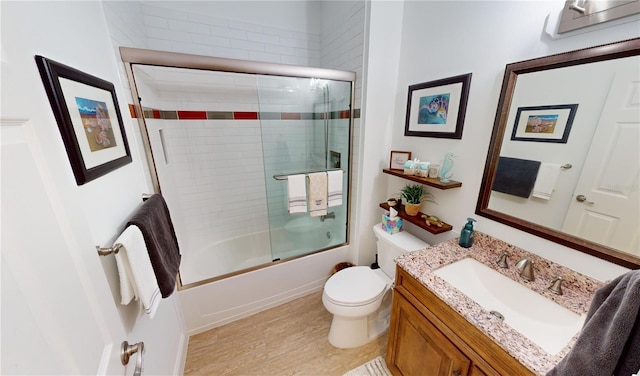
(334, 188)
(546, 180)
(297, 194)
(137, 279)
(318, 194)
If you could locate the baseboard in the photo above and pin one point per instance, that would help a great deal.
(262, 305)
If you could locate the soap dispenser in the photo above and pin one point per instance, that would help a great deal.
(466, 235)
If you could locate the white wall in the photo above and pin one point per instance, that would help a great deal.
(382, 56)
(442, 39)
(75, 34)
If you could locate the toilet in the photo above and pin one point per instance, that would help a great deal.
(355, 295)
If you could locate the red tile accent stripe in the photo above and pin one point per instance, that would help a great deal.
(245, 115)
(218, 115)
(132, 111)
(192, 115)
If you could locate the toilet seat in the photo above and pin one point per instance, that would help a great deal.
(355, 286)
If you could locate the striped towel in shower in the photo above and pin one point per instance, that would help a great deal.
(334, 188)
(297, 194)
(318, 194)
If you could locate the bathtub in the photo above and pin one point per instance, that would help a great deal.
(298, 237)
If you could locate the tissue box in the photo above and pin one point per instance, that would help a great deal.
(391, 225)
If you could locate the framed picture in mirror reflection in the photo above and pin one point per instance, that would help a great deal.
(544, 123)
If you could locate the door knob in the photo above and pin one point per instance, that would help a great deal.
(583, 198)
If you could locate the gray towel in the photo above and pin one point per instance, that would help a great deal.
(609, 343)
(154, 222)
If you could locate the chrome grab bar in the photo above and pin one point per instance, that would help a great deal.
(284, 176)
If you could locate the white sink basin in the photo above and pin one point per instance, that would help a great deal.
(544, 322)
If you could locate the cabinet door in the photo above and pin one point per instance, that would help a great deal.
(475, 371)
(416, 347)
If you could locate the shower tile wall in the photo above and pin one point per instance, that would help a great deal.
(339, 45)
(214, 177)
(179, 31)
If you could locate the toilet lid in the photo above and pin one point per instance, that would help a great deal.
(355, 286)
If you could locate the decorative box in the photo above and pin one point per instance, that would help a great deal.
(409, 168)
(422, 169)
(391, 225)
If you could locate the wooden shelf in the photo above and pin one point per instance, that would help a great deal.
(418, 220)
(426, 181)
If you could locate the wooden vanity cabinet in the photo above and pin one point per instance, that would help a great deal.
(428, 337)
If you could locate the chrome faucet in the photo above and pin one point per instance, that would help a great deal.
(331, 215)
(526, 269)
(502, 260)
(556, 286)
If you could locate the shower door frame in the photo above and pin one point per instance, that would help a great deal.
(131, 56)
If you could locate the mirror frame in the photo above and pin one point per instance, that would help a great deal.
(611, 51)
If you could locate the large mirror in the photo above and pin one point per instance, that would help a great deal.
(564, 158)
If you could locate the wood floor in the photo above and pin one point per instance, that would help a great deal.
(290, 339)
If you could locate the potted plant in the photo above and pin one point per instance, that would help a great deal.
(414, 195)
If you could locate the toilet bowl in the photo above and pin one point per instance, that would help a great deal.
(360, 297)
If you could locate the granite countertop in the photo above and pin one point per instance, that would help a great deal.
(578, 291)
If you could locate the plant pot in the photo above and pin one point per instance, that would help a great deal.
(411, 209)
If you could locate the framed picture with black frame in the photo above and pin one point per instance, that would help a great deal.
(544, 123)
(88, 116)
(437, 108)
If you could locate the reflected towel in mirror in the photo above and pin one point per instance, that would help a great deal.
(515, 176)
(546, 180)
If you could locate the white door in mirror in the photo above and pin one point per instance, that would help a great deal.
(606, 208)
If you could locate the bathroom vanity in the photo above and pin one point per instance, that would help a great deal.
(438, 330)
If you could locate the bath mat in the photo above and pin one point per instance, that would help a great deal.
(375, 367)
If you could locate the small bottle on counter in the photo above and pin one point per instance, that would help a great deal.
(466, 235)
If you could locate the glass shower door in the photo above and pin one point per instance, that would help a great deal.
(305, 127)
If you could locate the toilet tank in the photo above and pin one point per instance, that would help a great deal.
(391, 246)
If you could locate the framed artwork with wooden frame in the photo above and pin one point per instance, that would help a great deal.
(88, 116)
(398, 159)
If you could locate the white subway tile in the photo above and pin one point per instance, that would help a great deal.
(164, 12)
(230, 53)
(154, 21)
(264, 57)
(208, 20)
(228, 33)
(247, 45)
(211, 40)
(250, 27)
(170, 35)
(188, 26)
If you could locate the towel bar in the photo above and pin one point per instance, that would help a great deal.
(116, 247)
(284, 176)
(110, 250)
